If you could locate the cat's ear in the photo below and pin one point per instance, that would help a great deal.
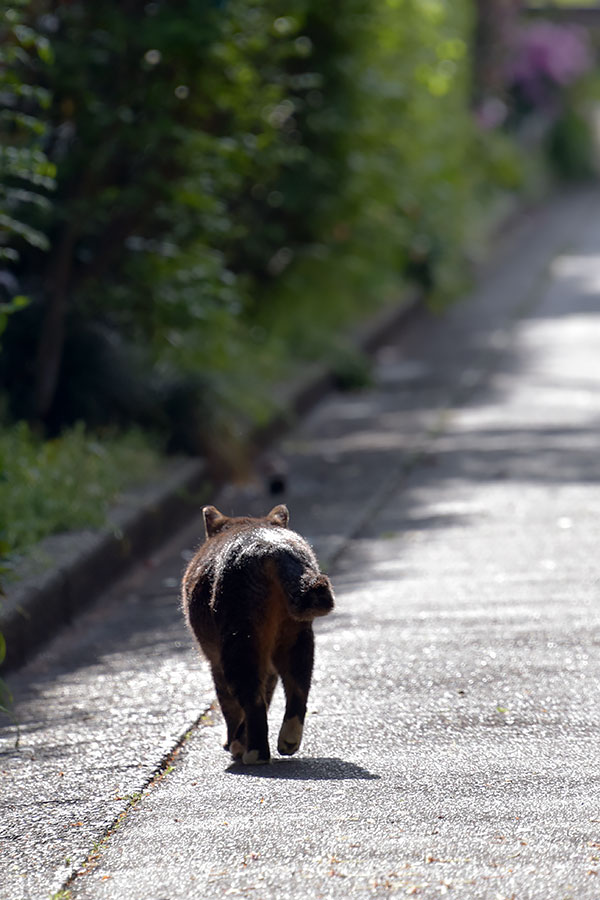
(279, 515)
(213, 520)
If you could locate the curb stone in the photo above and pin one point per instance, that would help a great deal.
(66, 572)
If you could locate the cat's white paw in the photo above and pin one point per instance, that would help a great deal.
(253, 758)
(290, 736)
(236, 748)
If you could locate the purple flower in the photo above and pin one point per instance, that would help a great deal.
(547, 57)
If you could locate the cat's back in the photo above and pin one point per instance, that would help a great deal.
(252, 570)
(243, 545)
(257, 541)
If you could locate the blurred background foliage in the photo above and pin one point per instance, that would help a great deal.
(198, 197)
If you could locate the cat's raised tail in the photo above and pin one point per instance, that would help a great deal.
(313, 597)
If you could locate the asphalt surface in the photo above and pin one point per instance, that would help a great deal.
(451, 745)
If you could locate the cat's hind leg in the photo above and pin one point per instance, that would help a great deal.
(294, 661)
(241, 668)
(232, 713)
(270, 685)
(244, 618)
(239, 742)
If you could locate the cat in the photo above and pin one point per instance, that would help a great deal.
(250, 595)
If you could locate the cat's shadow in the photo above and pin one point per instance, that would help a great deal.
(325, 768)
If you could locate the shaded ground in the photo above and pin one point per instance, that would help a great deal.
(452, 742)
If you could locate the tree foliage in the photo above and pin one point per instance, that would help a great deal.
(234, 180)
(26, 176)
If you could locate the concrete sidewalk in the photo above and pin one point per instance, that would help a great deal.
(452, 742)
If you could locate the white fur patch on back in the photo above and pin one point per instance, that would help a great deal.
(263, 542)
(267, 537)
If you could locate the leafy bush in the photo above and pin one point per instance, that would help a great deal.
(25, 177)
(233, 184)
(25, 173)
(66, 483)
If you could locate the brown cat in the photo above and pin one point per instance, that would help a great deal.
(249, 595)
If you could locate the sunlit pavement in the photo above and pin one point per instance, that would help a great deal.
(452, 745)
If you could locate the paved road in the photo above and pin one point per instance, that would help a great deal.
(452, 743)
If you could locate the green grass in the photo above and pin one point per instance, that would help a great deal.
(63, 484)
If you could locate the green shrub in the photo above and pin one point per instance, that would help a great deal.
(66, 483)
(25, 178)
(571, 143)
(25, 173)
(236, 181)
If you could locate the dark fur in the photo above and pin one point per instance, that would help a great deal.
(250, 595)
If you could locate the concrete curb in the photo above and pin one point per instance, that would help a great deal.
(83, 563)
(68, 571)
